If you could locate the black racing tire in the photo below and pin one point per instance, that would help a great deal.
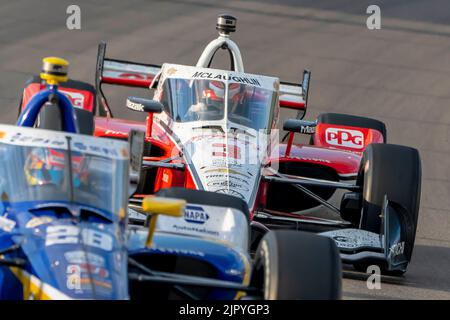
(353, 121)
(394, 171)
(295, 265)
(391, 170)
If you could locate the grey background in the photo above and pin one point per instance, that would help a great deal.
(399, 74)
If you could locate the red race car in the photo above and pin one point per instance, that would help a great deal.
(216, 130)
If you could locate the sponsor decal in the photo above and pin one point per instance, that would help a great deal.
(7, 224)
(19, 137)
(76, 98)
(88, 269)
(59, 141)
(224, 177)
(227, 184)
(226, 77)
(354, 238)
(308, 129)
(344, 138)
(137, 76)
(207, 137)
(84, 270)
(226, 171)
(178, 251)
(82, 284)
(171, 71)
(340, 239)
(135, 106)
(37, 221)
(2, 134)
(195, 229)
(195, 214)
(231, 192)
(87, 282)
(135, 215)
(73, 277)
(80, 257)
(223, 162)
(397, 249)
(116, 133)
(312, 159)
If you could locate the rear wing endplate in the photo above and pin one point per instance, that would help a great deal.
(120, 72)
(295, 96)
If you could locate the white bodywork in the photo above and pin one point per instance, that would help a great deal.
(211, 223)
(222, 156)
(216, 44)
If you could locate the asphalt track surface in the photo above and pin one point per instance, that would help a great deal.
(399, 74)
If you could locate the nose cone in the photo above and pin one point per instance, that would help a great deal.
(225, 163)
(77, 261)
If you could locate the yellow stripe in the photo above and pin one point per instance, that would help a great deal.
(34, 288)
(246, 280)
(30, 289)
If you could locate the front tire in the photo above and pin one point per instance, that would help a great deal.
(395, 172)
(293, 265)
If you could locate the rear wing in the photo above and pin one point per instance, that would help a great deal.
(120, 72)
(134, 74)
(295, 96)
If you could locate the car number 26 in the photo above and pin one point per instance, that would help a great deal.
(73, 235)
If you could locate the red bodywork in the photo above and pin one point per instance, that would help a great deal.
(336, 147)
(84, 99)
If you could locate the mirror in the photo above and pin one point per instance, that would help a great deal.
(166, 206)
(144, 105)
(300, 126)
(159, 205)
(136, 144)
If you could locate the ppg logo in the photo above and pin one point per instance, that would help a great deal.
(344, 138)
(195, 214)
(76, 98)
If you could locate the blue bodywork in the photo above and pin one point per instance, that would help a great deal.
(60, 249)
(228, 263)
(63, 249)
(54, 244)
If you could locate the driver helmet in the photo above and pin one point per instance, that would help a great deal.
(47, 166)
(216, 92)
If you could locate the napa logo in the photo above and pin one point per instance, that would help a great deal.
(194, 214)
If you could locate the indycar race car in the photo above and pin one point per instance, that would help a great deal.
(64, 231)
(214, 130)
(62, 207)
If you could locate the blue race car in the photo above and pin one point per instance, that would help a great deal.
(62, 221)
(63, 201)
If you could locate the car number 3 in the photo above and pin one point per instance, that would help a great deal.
(71, 235)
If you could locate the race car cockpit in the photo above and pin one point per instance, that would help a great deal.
(189, 100)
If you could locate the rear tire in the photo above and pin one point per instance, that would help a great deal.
(352, 121)
(294, 265)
